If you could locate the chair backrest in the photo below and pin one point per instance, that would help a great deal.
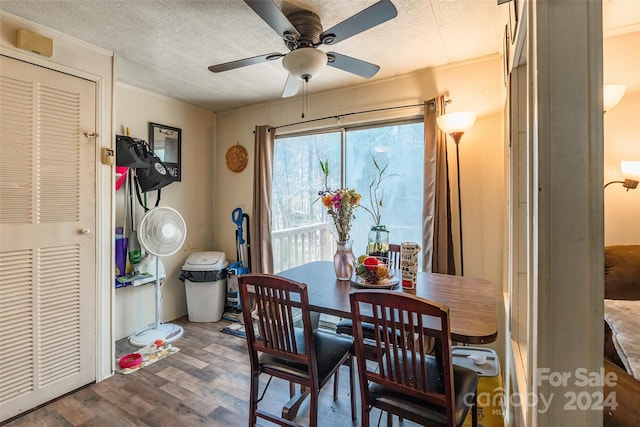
(278, 303)
(394, 255)
(401, 322)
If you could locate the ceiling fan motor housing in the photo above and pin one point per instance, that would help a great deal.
(308, 25)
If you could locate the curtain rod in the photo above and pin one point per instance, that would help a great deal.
(337, 116)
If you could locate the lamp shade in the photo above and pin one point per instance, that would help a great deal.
(305, 62)
(612, 94)
(630, 170)
(456, 122)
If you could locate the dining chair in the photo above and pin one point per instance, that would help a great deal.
(394, 256)
(406, 381)
(282, 345)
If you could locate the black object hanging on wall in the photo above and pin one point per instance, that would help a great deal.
(154, 177)
(151, 172)
(131, 152)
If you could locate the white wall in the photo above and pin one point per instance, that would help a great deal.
(622, 139)
(475, 86)
(192, 197)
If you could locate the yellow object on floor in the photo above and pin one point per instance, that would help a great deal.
(490, 390)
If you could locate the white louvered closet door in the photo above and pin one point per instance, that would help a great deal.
(47, 235)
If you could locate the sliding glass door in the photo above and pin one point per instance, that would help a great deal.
(302, 230)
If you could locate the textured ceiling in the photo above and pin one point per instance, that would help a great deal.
(165, 46)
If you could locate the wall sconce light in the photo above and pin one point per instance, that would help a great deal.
(456, 124)
(612, 94)
(631, 174)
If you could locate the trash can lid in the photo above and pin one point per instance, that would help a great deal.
(202, 261)
(482, 360)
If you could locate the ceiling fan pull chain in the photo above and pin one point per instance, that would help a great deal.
(305, 95)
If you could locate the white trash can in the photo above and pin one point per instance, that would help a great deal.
(205, 281)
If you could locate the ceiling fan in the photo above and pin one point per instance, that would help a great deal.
(302, 33)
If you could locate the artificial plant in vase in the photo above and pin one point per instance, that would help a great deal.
(340, 204)
(378, 238)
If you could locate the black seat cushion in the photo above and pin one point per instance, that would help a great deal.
(465, 382)
(330, 349)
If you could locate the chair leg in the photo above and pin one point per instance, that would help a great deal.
(364, 415)
(389, 419)
(313, 409)
(474, 410)
(253, 400)
(336, 384)
(292, 389)
(352, 385)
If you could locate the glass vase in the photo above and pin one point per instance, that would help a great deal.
(378, 242)
(343, 260)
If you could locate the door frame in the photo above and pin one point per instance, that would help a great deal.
(105, 193)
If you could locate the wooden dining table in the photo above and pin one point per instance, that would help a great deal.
(471, 301)
(472, 304)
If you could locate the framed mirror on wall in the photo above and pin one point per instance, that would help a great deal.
(166, 142)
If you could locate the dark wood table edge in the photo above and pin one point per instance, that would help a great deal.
(455, 337)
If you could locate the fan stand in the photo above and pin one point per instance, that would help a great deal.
(168, 332)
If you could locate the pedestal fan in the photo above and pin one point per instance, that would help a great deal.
(162, 232)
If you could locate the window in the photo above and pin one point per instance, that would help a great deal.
(301, 229)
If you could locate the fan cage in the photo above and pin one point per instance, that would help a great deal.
(162, 231)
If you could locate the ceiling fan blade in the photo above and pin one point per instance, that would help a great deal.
(374, 15)
(352, 65)
(291, 87)
(244, 62)
(269, 12)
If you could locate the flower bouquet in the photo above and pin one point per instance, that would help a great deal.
(340, 205)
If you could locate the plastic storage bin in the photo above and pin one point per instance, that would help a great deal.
(205, 280)
(490, 390)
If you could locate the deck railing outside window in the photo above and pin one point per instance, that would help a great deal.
(296, 246)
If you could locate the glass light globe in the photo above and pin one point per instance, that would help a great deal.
(456, 122)
(305, 62)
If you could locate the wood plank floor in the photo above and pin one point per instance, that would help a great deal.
(205, 384)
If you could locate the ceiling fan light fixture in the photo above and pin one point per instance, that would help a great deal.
(304, 63)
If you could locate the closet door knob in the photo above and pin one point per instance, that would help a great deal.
(85, 231)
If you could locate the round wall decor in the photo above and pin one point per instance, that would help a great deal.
(237, 158)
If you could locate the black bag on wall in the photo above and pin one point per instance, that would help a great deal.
(131, 152)
(154, 177)
(151, 172)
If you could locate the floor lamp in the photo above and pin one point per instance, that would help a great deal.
(456, 124)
